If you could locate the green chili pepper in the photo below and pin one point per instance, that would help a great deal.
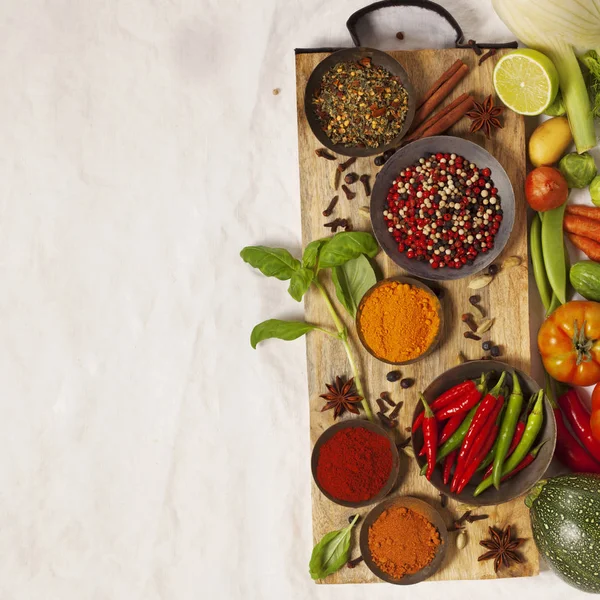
(554, 253)
(507, 429)
(554, 304)
(534, 424)
(455, 440)
(537, 260)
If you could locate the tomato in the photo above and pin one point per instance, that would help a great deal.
(546, 188)
(595, 420)
(569, 342)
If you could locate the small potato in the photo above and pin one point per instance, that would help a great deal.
(549, 141)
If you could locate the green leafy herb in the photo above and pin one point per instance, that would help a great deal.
(352, 280)
(300, 282)
(276, 328)
(310, 258)
(331, 553)
(272, 262)
(342, 248)
(592, 61)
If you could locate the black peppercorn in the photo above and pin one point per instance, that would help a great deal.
(487, 345)
(407, 382)
(388, 154)
(495, 351)
(379, 160)
(393, 376)
(493, 269)
(351, 518)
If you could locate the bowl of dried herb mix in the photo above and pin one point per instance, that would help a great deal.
(403, 540)
(399, 320)
(359, 102)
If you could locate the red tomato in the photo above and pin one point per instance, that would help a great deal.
(595, 420)
(569, 342)
(546, 188)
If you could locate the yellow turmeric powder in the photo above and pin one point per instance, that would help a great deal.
(398, 321)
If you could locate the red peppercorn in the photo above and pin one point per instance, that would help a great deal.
(486, 172)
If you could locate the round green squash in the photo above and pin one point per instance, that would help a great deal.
(565, 518)
(585, 278)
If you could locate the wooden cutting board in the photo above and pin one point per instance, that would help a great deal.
(506, 299)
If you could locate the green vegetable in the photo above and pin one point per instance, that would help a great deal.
(592, 61)
(557, 108)
(595, 190)
(564, 515)
(331, 553)
(345, 253)
(537, 260)
(532, 428)
(352, 280)
(578, 169)
(507, 429)
(554, 253)
(556, 28)
(585, 278)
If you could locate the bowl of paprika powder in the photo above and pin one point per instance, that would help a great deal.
(355, 463)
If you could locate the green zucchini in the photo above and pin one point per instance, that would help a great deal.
(565, 518)
(585, 278)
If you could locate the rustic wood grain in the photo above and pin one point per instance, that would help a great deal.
(506, 299)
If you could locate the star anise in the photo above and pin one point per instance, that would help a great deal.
(485, 116)
(341, 397)
(501, 547)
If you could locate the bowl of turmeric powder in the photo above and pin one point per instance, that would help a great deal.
(399, 320)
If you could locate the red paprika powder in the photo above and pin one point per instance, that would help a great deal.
(354, 464)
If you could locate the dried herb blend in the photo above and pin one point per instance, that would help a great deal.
(361, 104)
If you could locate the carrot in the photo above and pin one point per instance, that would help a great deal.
(582, 226)
(587, 246)
(591, 212)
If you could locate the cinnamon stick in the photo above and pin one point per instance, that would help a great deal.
(452, 117)
(442, 79)
(416, 134)
(443, 90)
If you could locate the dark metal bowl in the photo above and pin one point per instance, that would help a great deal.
(411, 154)
(378, 58)
(523, 481)
(415, 283)
(420, 507)
(348, 423)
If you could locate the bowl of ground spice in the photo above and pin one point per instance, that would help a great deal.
(403, 540)
(399, 320)
(355, 463)
(359, 102)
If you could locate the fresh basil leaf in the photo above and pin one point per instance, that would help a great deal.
(352, 280)
(283, 330)
(345, 246)
(331, 553)
(300, 282)
(272, 262)
(310, 258)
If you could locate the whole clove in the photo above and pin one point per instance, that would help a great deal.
(351, 178)
(404, 443)
(463, 517)
(394, 413)
(475, 47)
(474, 299)
(343, 166)
(385, 396)
(364, 179)
(487, 55)
(473, 518)
(337, 223)
(468, 319)
(336, 179)
(349, 193)
(382, 405)
(327, 212)
(354, 562)
(443, 500)
(322, 153)
(386, 421)
(472, 336)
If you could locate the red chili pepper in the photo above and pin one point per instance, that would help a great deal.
(525, 462)
(430, 436)
(579, 418)
(451, 426)
(481, 416)
(448, 464)
(467, 402)
(446, 398)
(515, 442)
(568, 450)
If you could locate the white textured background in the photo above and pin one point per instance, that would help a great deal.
(146, 451)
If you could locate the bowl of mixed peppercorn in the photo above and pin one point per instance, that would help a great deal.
(359, 102)
(483, 432)
(442, 208)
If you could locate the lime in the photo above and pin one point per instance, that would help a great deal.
(526, 81)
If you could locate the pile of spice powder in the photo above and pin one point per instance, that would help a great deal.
(402, 541)
(399, 322)
(354, 464)
(361, 104)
